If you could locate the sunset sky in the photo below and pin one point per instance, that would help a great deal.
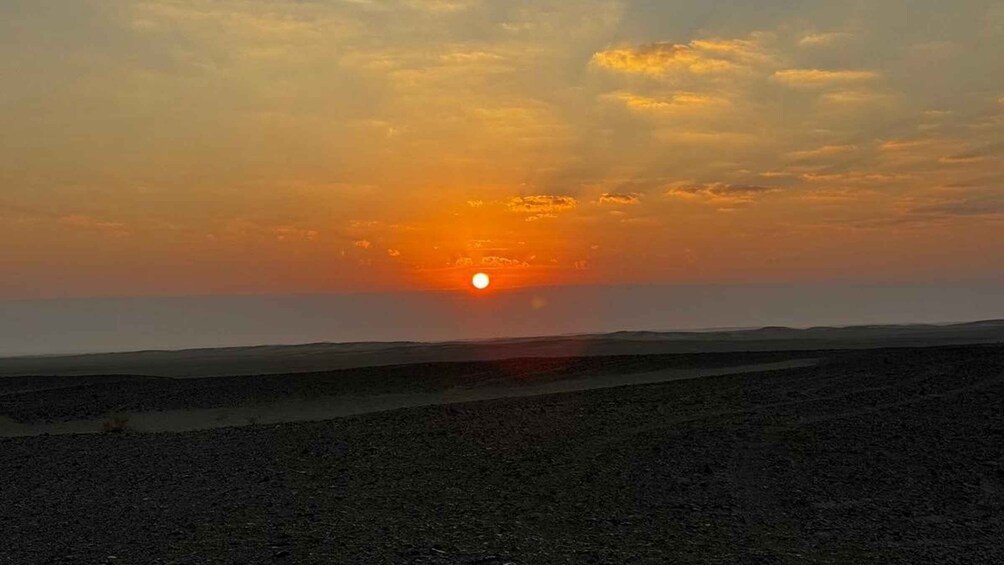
(208, 147)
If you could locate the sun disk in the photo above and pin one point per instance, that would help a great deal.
(480, 281)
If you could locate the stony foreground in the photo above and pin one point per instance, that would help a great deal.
(890, 456)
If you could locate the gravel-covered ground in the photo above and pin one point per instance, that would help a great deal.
(889, 456)
(37, 399)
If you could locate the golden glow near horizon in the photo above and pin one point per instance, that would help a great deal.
(480, 281)
(225, 146)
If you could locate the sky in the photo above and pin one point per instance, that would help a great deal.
(223, 147)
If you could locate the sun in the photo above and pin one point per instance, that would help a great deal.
(480, 281)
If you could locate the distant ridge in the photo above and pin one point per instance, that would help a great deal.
(283, 359)
(819, 332)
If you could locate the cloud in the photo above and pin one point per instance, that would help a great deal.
(720, 193)
(362, 244)
(678, 103)
(88, 223)
(937, 114)
(823, 39)
(832, 196)
(717, 139)
(393, 253)
(853, 177)
(620, 199)
(236, 229)
(905, 144)
(472, 57)
(286, 233)
(440, 6)
(496, 261)
(475, 203)
(818, 78)
(855, 96)
(702, 56)
(983, 205)
(962, 159)
(659, 58)
(480, 243)
(542, 204)
(822, 152)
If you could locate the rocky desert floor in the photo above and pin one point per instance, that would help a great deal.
(883, 456)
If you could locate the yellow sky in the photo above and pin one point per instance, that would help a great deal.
(223, 146)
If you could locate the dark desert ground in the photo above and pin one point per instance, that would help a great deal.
(868, 445)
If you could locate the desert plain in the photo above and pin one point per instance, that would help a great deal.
(883, 451)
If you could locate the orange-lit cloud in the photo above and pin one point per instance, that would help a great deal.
(720, 193)
(702, 56)
(285, 233)
(962, 159)
(856, 96)
(543, 216)
(88, 223)
(815, 78)
(659, 58)
(677, 103)
(823, 39)
(542, 204)
(825, 151)
(494, 261)
(629, 198)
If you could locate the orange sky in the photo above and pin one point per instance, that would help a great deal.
(275, 146)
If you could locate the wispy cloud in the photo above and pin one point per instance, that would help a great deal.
(856, 96)
(90, 223)
(620, 199)
(962, 159)
(288, 233)
(676, 103)
(824, 39)
(720, 193)
(826, 151)
(816, 78)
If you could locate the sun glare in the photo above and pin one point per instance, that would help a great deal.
(480, 281)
